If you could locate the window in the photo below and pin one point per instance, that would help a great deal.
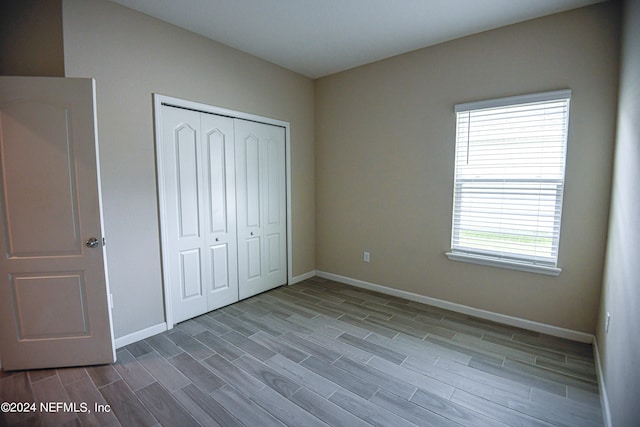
(509, 181)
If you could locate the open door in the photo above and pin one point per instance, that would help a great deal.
(54, 308)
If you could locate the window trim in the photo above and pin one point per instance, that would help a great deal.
(513, 100)
(505, 262)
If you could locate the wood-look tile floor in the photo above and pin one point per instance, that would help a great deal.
(323, 353)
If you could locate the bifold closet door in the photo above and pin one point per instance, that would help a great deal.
(199, 211)
(261, 206)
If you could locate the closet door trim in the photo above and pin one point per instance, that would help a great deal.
(159, 101)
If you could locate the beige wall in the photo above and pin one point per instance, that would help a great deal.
(384, 164)
(31, 38)
(132, 56)
(620, 348)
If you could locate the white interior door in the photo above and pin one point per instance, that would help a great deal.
(261, 206)
(199, 243)
(220, 201)
(53, 292)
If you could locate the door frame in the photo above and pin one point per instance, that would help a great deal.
(160, 100)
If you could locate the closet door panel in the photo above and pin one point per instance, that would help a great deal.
(220, 235)
(275, 214)
(261, 206)
(248, 207)
(273, 252)
(254, 261)
(251, 180)
(186, 158)
(181, 154)
(274, 183)
(190, 285)
(220, 266)
(217, 180)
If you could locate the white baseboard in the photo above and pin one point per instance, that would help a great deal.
(459, 308)
(140, 335)
(604, 399)
(302, 277)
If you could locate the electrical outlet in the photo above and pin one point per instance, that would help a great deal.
(607, 322)
(366, 257)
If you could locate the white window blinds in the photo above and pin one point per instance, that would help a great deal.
(509, 178)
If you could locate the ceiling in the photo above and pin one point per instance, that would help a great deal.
(320, 37)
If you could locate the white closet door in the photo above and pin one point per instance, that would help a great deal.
(185, 240)
(261, 206)
(199, 201)
(220, 203)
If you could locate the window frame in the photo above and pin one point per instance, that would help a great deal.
(507, 259)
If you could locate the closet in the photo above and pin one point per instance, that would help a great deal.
(222, 188)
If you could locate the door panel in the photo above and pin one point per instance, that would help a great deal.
(183, 210)
(220, 263)
(190, 279)
(273, 252)
(53, 293)
(217, 181)
(275, 246)
(199, 203)
(261, 208)
(47, 158)
(251, 188)
(186, 149)
(219, 173)
(274, 185)
(71, 320)
(254, 262)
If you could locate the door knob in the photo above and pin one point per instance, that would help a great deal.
(92, 243)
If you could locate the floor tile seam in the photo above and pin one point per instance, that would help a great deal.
(155, 380)
(64, 390)
(76, 380)
(455, 387)
(251, 397)
(270, 368)
(575, 405)
(379, 386)
(147, 370)
(533, 351)
(420, 407)
(497, 353)
(149, 409)
(55, 373)
(377, 345)
(549, 420)
(339, 387)
(539, 383)
(521, 414)
(479, 353)
(134, 394)
(358, 378)
(455, 405)
(107, 384)
(355, 349)
(552, 371)
(498, 382)
(591, 378)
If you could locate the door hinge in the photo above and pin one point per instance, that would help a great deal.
(104, 242)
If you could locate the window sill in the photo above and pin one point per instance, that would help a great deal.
(511, 265)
